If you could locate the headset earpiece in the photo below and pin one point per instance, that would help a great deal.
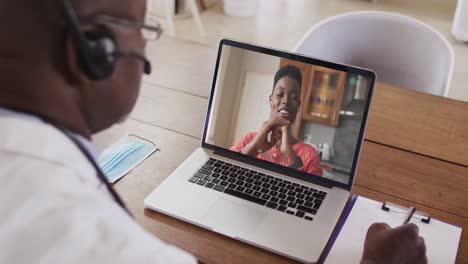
(95, 48)
(100, 53)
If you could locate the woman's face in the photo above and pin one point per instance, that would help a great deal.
(285, 99)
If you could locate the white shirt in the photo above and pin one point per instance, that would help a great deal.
(88, 145)
(54, 209)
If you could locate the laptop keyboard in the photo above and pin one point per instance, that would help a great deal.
(272, 192)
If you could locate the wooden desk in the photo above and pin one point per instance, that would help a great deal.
(415, 153)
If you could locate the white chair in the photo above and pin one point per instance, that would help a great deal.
(401, 50)
(169, 7)
(460, 21)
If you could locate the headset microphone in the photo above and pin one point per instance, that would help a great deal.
(146, 63)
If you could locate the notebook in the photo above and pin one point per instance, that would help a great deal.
(441, 239)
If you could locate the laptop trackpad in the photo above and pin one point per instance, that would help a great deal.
(233, 218)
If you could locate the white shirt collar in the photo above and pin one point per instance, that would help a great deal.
(90, 147)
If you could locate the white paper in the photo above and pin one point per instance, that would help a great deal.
(441, 239)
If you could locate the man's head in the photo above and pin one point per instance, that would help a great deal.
(285, 98)
(43, 48)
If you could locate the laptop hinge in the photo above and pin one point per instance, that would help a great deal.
(277, 168)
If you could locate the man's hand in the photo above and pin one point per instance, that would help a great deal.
(268, 135)
(398, 245)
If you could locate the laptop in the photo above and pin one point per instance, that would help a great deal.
(279, 151)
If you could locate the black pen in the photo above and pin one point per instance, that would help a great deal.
(411, 212)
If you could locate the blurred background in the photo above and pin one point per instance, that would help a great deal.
(282, 23)
(184, 58)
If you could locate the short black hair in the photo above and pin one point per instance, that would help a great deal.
(291, 72)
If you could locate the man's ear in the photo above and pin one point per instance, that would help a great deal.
(270, 98)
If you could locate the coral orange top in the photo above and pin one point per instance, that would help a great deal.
(307, 153)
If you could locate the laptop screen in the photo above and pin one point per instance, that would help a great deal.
(288, 111)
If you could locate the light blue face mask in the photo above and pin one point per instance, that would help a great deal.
(123, 156)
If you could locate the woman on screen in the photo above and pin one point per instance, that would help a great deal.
(274, 141)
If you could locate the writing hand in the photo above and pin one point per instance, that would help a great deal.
(398, 245)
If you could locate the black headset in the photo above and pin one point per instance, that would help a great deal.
(97, 49)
